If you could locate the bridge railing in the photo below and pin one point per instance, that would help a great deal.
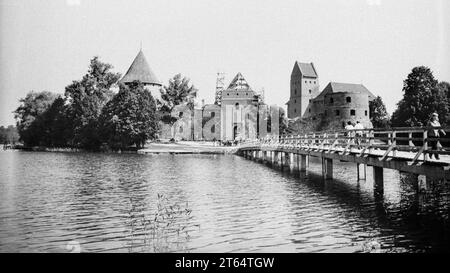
(389, 141)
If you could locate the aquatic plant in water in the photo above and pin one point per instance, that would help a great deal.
(166, 229)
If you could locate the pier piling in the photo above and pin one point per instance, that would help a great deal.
(303, 163)
(361, 175)
(378, 179)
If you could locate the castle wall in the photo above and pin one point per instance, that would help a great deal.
(339, 108)
(211, 122)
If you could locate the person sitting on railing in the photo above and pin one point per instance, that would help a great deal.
(433, 134)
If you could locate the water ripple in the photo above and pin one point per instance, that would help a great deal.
(107, 202)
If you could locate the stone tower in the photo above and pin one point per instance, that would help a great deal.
(304, 87)
(140, 71)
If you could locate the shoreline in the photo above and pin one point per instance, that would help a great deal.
(187, 147)
(182, 147)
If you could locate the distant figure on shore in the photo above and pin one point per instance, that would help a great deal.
(433, 134)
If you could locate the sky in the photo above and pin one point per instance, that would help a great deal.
(45, 45)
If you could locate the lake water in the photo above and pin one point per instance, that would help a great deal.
(210, 203)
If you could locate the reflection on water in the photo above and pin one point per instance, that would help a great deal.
(212, 203)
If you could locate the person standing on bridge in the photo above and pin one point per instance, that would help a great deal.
(359, 133)
(433, 134)
(349, 127)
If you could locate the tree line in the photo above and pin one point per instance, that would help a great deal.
(90, 115)
(422, 96)
(8, 135)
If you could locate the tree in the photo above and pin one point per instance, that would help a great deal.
(420, 99)
(378, 114)
(130, 117)
(177, 92)
(29, 123)
(55, 124)
(445, 88)
(8, 135)
(86, 98)
(444, 91)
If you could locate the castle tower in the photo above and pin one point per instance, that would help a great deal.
(140, 71)
(304, 87)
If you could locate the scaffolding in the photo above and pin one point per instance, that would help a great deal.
(220, 86)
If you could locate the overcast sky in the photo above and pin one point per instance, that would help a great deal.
(44, 45)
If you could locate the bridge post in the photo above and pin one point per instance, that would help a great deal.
(422, 184)
(287, 161)
(327, 168)
(295, 165)
(272, 158)
(358, 171)
(303, 163)
(378, 179)
(280, 160)
(276, 156)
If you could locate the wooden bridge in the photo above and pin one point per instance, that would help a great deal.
(403, 149)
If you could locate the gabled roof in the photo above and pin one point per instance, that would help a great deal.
(140, 71)
(337, 87)
(239, 84)
(306, 69)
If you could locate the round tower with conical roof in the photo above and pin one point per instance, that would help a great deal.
(140, 71)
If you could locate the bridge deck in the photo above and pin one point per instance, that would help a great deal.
(405, 150)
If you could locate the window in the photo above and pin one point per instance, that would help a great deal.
(309, 110)
(343, 124)
(237, 94)
(314, 118)
(365, 112)
(309, 100)
(295, 101)
(213, 114)
(314, 82)
(331, 100)
(295, 110)
(213, 129)
(180, 114)
(337, 113)
(309, 81)
(236, 105)
(180, 130)
(246, 94)
(352, 112)
(306, 81)
(309, 91)
(228, 94)
(348, 99)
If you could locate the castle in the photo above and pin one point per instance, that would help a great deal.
(226, 120)
(332, 108)
(229, 118)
